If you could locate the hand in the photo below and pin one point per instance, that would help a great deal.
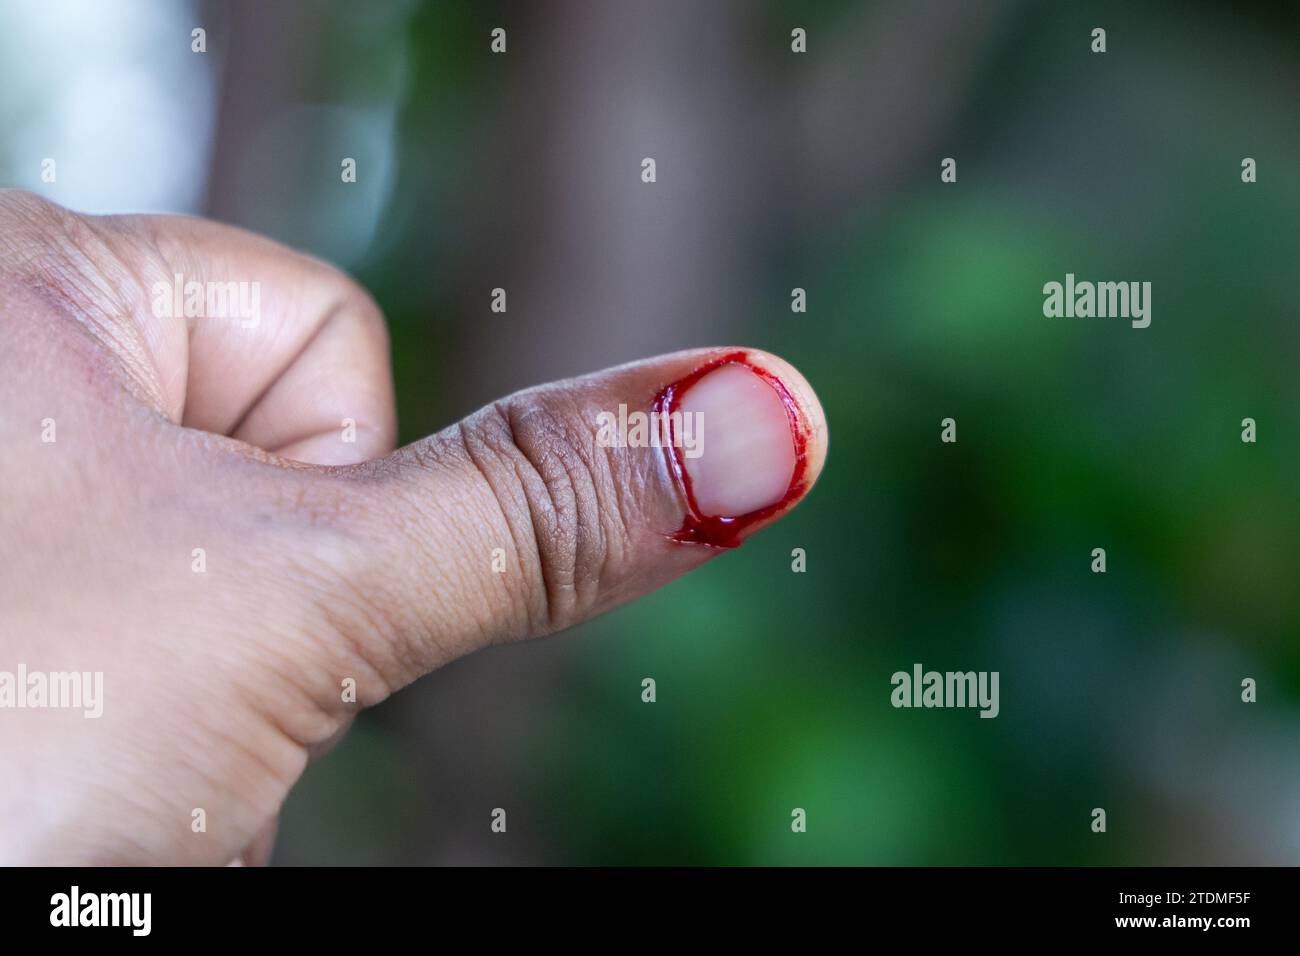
(208, 512)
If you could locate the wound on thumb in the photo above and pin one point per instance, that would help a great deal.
(562, 501)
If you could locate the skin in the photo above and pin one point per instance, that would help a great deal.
(325, 560)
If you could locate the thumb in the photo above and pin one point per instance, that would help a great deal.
(562, 501)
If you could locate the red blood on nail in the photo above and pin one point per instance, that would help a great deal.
(725, 531)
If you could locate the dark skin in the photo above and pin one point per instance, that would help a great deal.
(324, 560)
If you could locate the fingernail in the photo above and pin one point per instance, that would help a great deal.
(750, 449)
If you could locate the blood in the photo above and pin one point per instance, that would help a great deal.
(725, 531)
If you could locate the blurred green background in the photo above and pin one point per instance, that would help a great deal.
(821, 171)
